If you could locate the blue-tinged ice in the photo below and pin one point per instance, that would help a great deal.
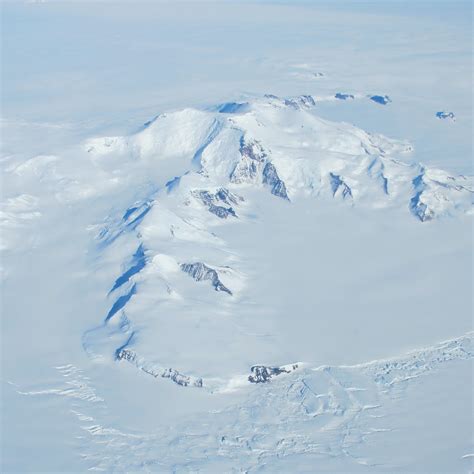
(381, 99)
(173, 183)
(445, 115)
(233, 107)
(121, 302)
(138, 263)
(215, 129)
(128, 222)
(341, 96)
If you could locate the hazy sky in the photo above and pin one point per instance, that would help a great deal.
(73, 60)
(86, 67)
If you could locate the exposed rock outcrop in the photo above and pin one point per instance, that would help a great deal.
(250, 164)
(199, 271)
(219, 203)
(263, 373)
(271, 178)
(300, 102)
(152, 369)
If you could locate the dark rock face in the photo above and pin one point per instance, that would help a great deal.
(221, 211)
(180, 379)
(271, 178)
(214, 202)
(263, 373)
(199, 271)
(303, 101)
(254, 162)
(126, 354)
(226, 196)
(250, 164)
(172, 374)
(341, 96)
(298, 102)
(337, 183)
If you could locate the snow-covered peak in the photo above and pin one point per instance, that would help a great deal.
(211, 171)
(283, 145)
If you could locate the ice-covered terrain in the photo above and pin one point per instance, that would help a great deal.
(268, 281)
(234, 173)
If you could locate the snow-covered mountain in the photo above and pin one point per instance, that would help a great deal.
(282, 145)
(227, 159)
(246, 261)
(236, 237)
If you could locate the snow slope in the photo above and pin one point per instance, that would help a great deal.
(230, 163)
(340, 417)
(235, 255)
(247, 282)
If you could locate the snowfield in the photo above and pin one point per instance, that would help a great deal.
(234, 263)
(247, 282)
(242, 174)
